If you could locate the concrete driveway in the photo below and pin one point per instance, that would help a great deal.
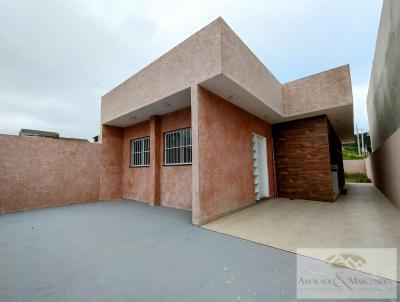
(364, 218)
(128, 251)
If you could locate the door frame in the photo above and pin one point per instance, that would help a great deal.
(265, 165)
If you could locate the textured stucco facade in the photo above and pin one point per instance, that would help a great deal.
(175, 181)
(195, 59)
(320, 91)
(225, 162)
(136, 182)
(172, 183)
(383, 103)
(213, 84)
(239, 64)
(42, 172)
(111, 163)
(216, 59)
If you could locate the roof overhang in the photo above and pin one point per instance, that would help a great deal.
(216, 59)
(339, 112)
(163, 106)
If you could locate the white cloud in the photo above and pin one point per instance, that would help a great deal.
(58, 57)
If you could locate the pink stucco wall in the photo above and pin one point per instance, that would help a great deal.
(225, 164)
(174, 181)
(111, 163)
(42, 172)
(136, 181)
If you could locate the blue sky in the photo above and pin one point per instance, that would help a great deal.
(58, 58)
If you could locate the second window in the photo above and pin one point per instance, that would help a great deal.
(178, 147)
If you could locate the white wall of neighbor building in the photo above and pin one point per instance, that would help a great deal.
(383, 104)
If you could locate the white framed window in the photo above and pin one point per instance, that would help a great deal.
(178, 147)
(140, 152)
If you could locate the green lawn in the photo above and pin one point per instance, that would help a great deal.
(350, 153)
(356, 177)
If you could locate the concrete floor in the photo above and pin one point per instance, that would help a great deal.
(128, 251)
(364, 218)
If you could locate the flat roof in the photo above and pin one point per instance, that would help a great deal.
(217, 59)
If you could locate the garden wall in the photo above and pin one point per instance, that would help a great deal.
(354, 166)
(42, 172)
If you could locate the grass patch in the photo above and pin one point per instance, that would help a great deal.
(351, 154)
(356, 177)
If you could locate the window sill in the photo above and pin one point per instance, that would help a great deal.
(174, 165)
(145, 166)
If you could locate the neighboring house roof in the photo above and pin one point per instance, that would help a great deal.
(48, 134)
(216, 59)
(30, 132)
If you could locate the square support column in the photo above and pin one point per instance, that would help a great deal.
(194, 91)
(110, 186)
(155, 159)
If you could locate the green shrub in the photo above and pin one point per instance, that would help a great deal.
(356, 177)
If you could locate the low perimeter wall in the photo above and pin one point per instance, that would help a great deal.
(43, 172)
(354, 166)
(385, 166)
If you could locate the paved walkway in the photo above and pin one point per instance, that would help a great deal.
(364, 218)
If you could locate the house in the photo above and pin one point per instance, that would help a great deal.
(47, 134)
(383, 104)
(38, 133)
(208, 128)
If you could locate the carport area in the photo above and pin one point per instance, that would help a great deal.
(130, 251)
(364, 218)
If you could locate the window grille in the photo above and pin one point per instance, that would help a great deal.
(178, 147)
(140, 152)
